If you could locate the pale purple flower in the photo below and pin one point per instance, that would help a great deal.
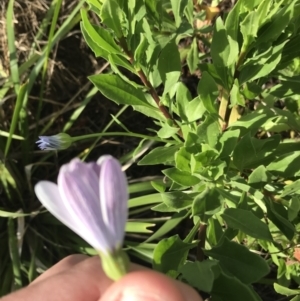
(91, 199)
(59, 141)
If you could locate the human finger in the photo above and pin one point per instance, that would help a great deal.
(147, 285)
(63, 265)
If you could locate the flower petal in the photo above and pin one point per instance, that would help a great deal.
(78, 184)
(113, 197)
(48, 194)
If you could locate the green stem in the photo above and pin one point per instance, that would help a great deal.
(95, 135)
(115, 265)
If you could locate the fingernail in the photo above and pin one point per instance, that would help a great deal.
(138, 295)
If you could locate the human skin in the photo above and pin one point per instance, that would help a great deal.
(81, 278)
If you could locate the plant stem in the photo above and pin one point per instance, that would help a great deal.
(95, 135)
(201, 244)
(148, 85)
(223, 109)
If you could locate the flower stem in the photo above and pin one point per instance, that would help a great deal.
(115, 265)
(95, 135)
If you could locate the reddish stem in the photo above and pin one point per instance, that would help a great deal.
(148, 85)
(201, 244)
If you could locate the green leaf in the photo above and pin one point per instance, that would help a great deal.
(201, 274)
(250, 5)
(114, 18)
(195, 109)
(232, 27)
(192, 143)
(170, 254)
(285, 89)
(259, 177)
(208, 92)
(227, 142)
(154, 113)
(171, 78)
(13, 247)
(183, 97)
(239, 261)
(138, 227)
(236, 98)
(182, 160)
(286, 166)
(250, 90)
(154, 11)
(241, 185)
(252, 121)
(21, 95)
(169, 65)
(291, 189)
(178, 7)
(116, 60)
(279, 216)
(290, 52)
(262, 11)
(227, 288)
(174, 202)
(160, 155)
(214, 232)
(181, 177)
(140, 55)
(249, 28)
(99, 36)
(119, 91)
(207, 165)
(285, 290)
(169, 225)
(167, 131)
(207, 203)
(193, 56)
(294, 207)
(12, 52)
(209, 130)
(251, 152)
(246, 222)
(273, 29)
(220, 48)
(101, 50)
(262, 64)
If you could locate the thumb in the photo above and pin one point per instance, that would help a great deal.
(149, 286)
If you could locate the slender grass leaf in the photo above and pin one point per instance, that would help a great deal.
(138, 227)
(13, 60)
(20, 98)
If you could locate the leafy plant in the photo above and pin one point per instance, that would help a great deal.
(228, 166)
(222, 90)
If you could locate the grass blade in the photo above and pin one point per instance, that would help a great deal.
(21, 94)
(11, 46)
